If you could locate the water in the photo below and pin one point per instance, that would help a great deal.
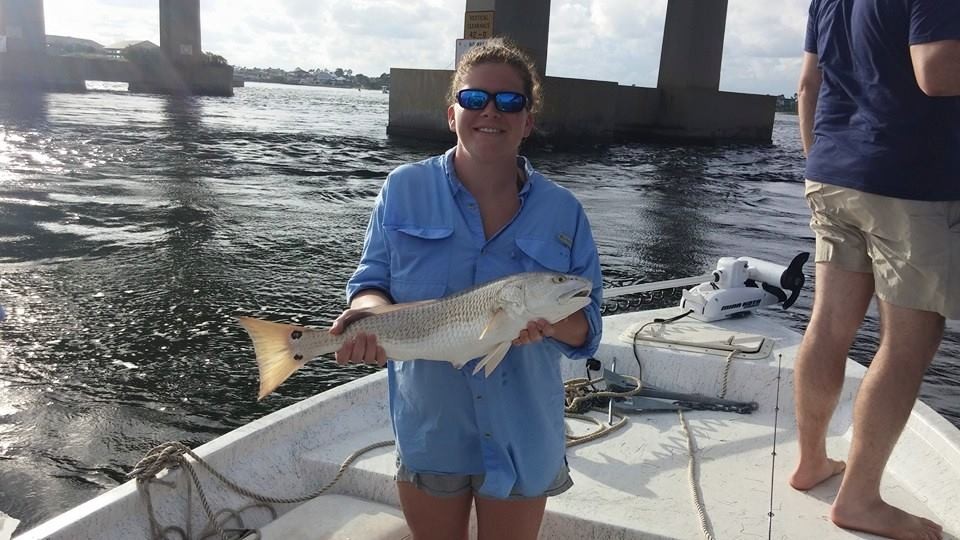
(133, 227)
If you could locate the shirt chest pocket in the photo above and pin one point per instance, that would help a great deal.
(419, 261)
(544, 254)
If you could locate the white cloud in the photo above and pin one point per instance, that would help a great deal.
(606, 40)
(614, 40)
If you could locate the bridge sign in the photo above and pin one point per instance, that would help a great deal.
(464, 45)
(478, 25)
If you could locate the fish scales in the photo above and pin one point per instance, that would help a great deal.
(431, 331)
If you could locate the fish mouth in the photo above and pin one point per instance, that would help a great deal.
(582, 292)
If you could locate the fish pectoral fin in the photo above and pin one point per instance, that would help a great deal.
(500, 317)
(493, 359)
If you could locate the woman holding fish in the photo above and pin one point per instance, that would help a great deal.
(474, 215)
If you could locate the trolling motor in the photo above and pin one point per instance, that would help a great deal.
(744, 284)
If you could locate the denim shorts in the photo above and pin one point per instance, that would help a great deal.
(452, 485)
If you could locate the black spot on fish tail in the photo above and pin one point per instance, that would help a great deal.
(298, 357)
(296, 334)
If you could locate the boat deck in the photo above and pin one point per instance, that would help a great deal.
(635, 482)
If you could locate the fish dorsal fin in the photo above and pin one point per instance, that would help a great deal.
(500, 317)
(492, 359)
(380, 310)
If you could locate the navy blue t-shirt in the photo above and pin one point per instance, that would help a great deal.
(875, 130)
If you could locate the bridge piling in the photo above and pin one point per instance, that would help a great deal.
(179, 67)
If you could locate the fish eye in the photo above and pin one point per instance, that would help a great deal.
(559, 279)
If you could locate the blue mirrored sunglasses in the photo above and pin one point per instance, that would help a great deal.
(475, 100)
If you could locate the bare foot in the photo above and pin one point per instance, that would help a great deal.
(882, 519)
(807, 476)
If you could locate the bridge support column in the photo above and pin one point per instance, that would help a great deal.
(692, 44)
(22, 25)
(24, 63)
(526, 22)
(691, 105)
(180, 31)
(182, 66)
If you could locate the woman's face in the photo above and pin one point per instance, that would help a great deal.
(490, 133)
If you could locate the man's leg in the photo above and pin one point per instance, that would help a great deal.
(840, 301)
(909, 340)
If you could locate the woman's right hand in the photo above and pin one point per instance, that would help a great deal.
(361, 348)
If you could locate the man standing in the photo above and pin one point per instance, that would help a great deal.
(880, 123)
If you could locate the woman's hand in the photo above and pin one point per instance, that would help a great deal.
(535, 331)
(572, 331)
(362, 348)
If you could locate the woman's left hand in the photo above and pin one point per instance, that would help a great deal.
(535, 331)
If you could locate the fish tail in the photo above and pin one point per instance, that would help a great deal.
(277, 355)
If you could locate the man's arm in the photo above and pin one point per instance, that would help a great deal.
(809, 88)
(937, 67)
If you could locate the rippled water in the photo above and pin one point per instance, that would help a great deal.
(133, 227)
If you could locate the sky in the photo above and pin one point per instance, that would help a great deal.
(608, 40)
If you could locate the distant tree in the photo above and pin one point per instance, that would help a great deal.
(214, 59)
(362, 80)
(338, 72)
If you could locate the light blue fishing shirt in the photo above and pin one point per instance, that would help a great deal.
(425, 240)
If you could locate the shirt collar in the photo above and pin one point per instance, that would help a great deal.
(456, 185)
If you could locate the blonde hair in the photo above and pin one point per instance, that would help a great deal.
(500, 50)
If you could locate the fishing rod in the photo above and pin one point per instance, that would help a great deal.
(773, 451)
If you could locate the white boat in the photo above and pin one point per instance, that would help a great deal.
(660, 475)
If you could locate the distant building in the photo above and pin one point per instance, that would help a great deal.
(785, 104)
(117, 48)
(61, 45)
(323, 77)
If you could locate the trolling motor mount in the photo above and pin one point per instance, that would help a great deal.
(744, 284)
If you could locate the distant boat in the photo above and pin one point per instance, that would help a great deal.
(385, 89)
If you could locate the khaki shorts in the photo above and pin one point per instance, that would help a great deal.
(451, 485)
(912, 248)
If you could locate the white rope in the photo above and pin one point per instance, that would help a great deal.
(726, 367)
(693, 471)
(602, 429)
(171, 455)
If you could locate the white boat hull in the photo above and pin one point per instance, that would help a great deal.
(632, 483)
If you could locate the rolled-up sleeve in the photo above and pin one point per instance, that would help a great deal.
(585, 262)
(373, 272)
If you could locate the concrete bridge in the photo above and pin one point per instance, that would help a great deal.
(686, 105)
(180, 68)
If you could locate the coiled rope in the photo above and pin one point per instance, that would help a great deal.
(693, 476)
(578, 401)
(171, 455)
